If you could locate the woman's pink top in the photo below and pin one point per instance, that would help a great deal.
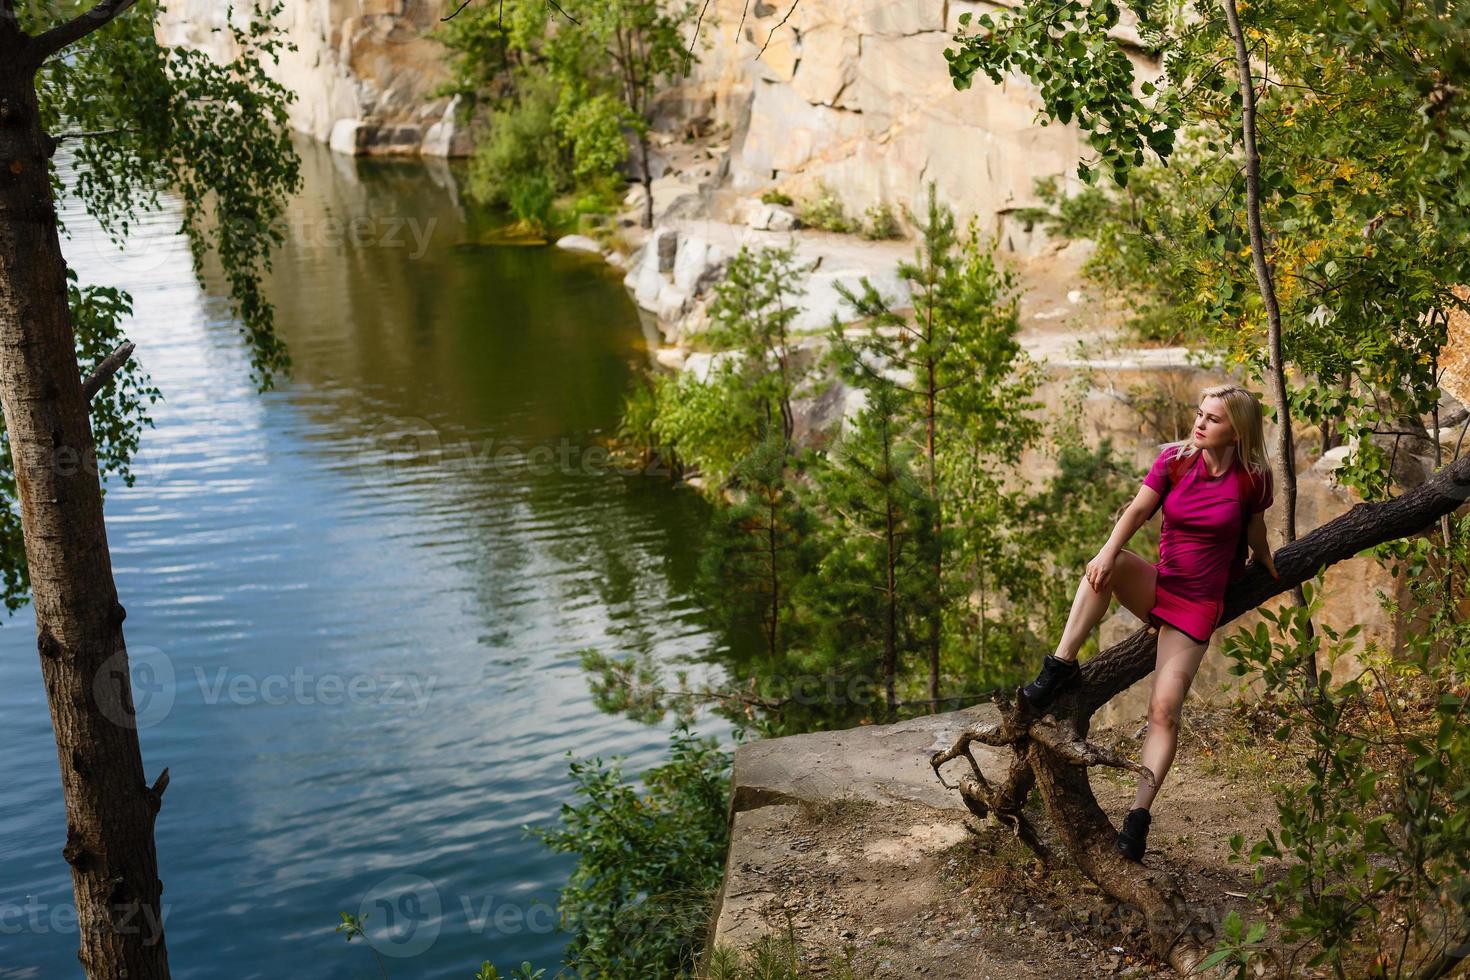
(1201, 529)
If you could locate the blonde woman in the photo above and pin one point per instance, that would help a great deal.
(1215, 487)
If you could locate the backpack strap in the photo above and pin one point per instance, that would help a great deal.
(1177, 465)
(1173, 473)
(1246, 488)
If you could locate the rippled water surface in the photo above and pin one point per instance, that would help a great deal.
(355, 602)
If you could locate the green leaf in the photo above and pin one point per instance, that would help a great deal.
(1215, 958)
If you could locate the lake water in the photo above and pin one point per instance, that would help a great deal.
(355, 602)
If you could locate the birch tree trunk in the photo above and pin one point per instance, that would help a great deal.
(110, 808)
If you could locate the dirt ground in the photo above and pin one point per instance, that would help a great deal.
(906, 889)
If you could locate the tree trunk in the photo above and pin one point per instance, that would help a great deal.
(1052, 752)
(890, 632)
(110, 809)
(771, 510)
(647, 181)
(980, 575)
(931, 449)
(1285, 450)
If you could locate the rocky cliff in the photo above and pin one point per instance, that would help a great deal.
(856, 94)
(364, 71)
(853, 94)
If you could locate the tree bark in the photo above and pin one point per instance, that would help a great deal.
(1264, 281)
(773, 554)
(110, 808)
(1285, 449)
(931, 411)
(1052, 751)
(890, 586)
(647, 168)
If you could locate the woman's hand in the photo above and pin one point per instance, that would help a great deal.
(1265, 558)
(1100, 570)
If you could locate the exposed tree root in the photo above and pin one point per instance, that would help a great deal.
(1051, 753)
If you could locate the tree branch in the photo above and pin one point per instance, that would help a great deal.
(776, 28)
(1080, 752)
(91, 134)
(98, 16)
(695, 37)
(460, 9)
(106, 368)
(1364, 526)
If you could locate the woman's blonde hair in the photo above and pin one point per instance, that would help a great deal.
(1244, 410)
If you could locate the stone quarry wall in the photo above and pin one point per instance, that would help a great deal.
(364, 71)
(854, 94)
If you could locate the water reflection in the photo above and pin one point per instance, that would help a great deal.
(360, 623)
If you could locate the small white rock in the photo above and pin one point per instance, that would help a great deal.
(671, 304)
(670, 357)
(781, 219)
(578, 243)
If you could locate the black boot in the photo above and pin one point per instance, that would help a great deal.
(1055, 675)
(1134, 835)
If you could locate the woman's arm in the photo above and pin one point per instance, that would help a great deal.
(1260, 547)
(1134, 516)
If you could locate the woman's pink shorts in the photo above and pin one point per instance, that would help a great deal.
(1195, 618)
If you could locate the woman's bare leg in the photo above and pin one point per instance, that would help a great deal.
(1178, 660)
(1132, 582)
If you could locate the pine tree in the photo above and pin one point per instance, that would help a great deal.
(959, 374)
(759, 548)
(752, 313)
(872, 569)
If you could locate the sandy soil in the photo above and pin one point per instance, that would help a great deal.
(910, 890)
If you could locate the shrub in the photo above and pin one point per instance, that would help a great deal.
(649, 864)
(774, 958)
(707, 425)
(1375, 836)
(637, 425)
(777, 197)
(530, 202)
(880, 223)
(594, 129)
(520, 142)
(825, 212)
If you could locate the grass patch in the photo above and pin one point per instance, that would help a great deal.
(780, 958)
